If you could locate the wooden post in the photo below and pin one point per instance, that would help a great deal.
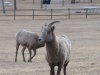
(41, 3)
(15, 6)
(3, 7)
(51, 14)
(69, 13)
(33, 14)
(63, 3)
(86, 12)
(14, 13)
(33, 1)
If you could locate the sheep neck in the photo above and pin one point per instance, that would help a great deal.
(52, 47)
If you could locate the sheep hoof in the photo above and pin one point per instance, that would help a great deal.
(29, 61)
(15, 60)
(24, 60)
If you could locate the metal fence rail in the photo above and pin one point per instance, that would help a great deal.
(49, 12)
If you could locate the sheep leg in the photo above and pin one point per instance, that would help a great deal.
(17, 47)
(59, 68)
(52, 70)
(64, 69)
(34, 54)
(23, 53)
(30, 55)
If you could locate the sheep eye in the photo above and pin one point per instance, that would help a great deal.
(48, 32)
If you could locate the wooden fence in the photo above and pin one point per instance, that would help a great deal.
(49, 12)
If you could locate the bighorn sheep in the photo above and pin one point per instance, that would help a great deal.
(28, 40)
(57, 48)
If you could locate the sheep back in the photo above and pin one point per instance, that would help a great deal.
(24, 37)
(65, 46)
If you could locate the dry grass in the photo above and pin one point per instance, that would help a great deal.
(84, 35)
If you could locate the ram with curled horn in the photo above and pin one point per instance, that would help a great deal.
(57, 48)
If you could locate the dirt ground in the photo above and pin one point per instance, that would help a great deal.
(84, 35)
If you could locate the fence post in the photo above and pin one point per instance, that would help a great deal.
(14, 13)
(86, 12)
(63, 3)
(33, 14)
(33, 1)
(3, 7)
(51, 14)
(69, 13)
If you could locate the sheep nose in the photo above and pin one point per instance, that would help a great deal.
(39, 40)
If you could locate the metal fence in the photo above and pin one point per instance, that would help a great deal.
(33, 13)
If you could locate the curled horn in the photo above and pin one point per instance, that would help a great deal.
(53, 23)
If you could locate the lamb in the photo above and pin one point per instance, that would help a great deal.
(57, 48)
(28, 40)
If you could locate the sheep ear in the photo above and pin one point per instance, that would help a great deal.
(52, 28)
(45, 23)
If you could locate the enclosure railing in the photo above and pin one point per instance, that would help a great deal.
(50, 12)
